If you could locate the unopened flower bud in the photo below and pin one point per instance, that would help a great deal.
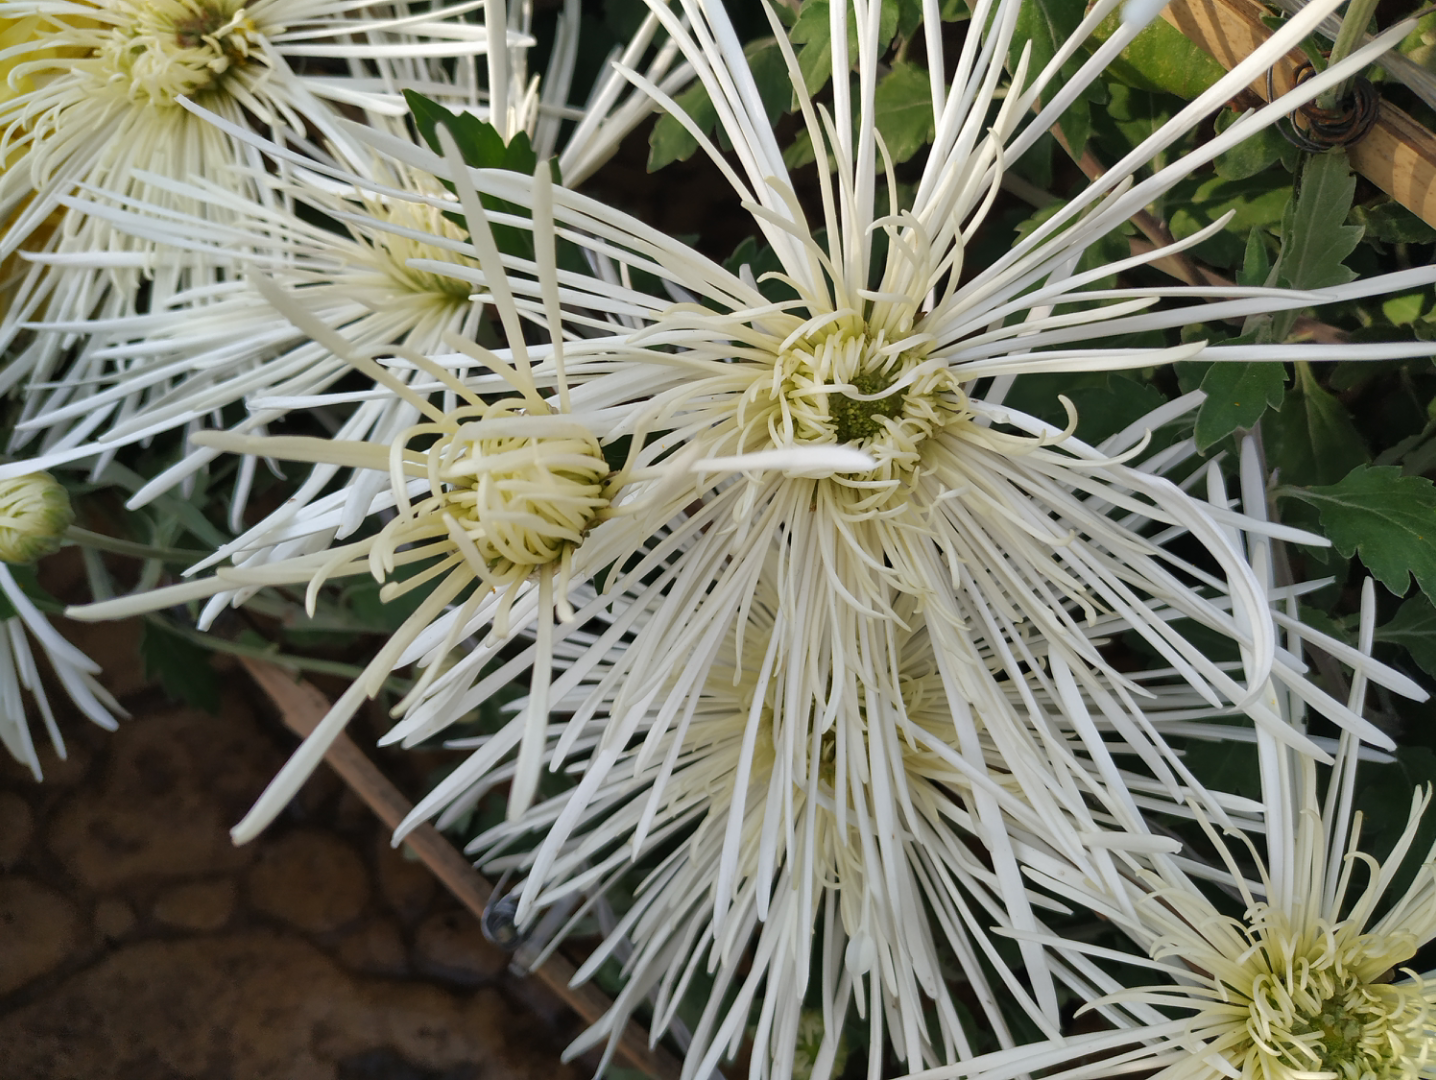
(34, 514)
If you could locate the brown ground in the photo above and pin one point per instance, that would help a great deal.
(137, 944)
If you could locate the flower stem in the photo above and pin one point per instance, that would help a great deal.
(1353, 29)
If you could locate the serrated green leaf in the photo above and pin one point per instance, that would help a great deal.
(182, 667)
(1392, 223)
(1414, 629)
(1315, 440)
(1388, 518)
(812, 36)
(1237, 396)
(902, 106)
(1313, 244)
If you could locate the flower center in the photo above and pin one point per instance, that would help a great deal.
(165, 49)
(392, 252)
(512, 491)
(1367, 1030)
(1326, 1008)
(848, 383)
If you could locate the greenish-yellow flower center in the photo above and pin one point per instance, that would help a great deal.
(1325, 1004)
(849, 383)
(510, 491)
(160, 50)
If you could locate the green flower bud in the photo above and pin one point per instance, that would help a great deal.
(34, 514)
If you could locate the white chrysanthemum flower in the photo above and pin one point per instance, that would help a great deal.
(1012, 529)
(34, 514)
(501, 505)
(843, 432)
(96, 92)
(1012, 534)
(729, 791)
(1306, 975)
(220, 342)
(857, 876)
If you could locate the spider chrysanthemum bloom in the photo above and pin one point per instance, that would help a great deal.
(1012, 530)
(1295, 993)
(187, 359)
(853, 883)
(495, 499)
(1275, 951)
(1311, 977)
(201, 349)
(96, 92)
(896, 770)
(851, 424)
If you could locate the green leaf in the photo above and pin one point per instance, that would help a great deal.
(480, 143)
(670, 141)
(1256, 265)
(812, 41)
(1316, 442)
(1313, 245)
(1253, 155)
(1104, 411)
(1414, 629)
(908, 19)
(1258, 201)
(760, 259)
(1162, 59)
(902, 104)
(1385, 806)
(1392, 223)
(1047, 24)
(1404, 310)
(812, 38)
(182, 667)
(1388, 518)
(1237, 396)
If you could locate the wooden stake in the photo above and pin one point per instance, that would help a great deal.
(1398, 155)
(302, 706)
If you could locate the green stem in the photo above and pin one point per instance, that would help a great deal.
(271, 653)
(85, 538)
(1353, 29)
